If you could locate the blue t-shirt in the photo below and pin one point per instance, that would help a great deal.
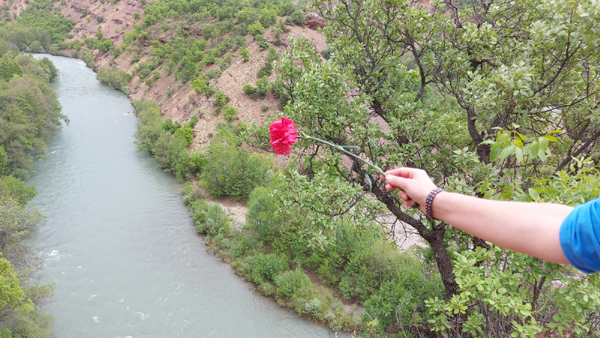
(580, 237)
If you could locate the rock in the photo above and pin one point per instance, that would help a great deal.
(314, 21)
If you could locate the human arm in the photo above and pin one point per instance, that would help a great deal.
(530, 228)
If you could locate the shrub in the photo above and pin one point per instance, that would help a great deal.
(213, 74)
(405, 294)
(193, 121)
(230, 113)
(88, 58)
(265, 71)
(209, 218)
(249, 89)
(104, 45)
(297, 18)
(272, 55)
(170, 151)
(186, 133)
(170, 126)
(266, 267)
(313, 307)
(245, 54)
(327, 53)
(262, 87)
(290, 282)
(221, 99)
(261, 41)
(76, 45)
(233, 171)
(256, 29)
(114, 78)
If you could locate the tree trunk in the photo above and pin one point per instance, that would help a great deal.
(436, 240)
(434, 237)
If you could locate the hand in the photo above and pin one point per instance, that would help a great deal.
(414, 185)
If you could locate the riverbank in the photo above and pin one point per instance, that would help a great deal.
(119, 244)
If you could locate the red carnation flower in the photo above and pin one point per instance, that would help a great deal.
(283, 135)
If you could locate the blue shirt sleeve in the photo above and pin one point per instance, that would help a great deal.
(580, 237)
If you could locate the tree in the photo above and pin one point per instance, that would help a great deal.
(256, 29)
(245, 54)
(471, 94)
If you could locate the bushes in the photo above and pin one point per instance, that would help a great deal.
(297, 18)
(166, 142)
(245, 54)
(87, 57)
(261, 41)
(260, 91)
(402, 299)
(221, 99)
(266, 70)
(230, 113)
(209, 218)
(266, 267)
(30, 115)
(232, 171)
(293, 283)
(114, 78)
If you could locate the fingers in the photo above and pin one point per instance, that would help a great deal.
(403, 172)
(396, 182)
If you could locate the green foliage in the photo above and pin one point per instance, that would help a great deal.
(49, 69)
(209, 218)
(115, 78)
(261, 41)
(30, 116)
(326, 53)
(292, 283)
(515, 119)
(25, 37)
(256, 29)
(232, 171)
(16, 189)
(265, 71)
(272, 56)
(268, 17)
(262, 87)
(266, 267)
(87, 57)
(297, 18)
(185, 133)
(221, 100)
(8, 68)
(21, 295)
(170, 149)
(230, 113)
(399, 302)
(245, 54)
(193, 122)
(170, 126)
(213, 74)
(13, 298)
(249, 89)
(40, 15)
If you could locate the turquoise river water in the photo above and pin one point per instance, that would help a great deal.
(118, 242)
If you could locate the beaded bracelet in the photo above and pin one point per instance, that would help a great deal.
(429, 201)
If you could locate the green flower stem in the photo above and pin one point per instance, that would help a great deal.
(335, 146)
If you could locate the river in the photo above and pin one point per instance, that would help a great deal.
(118, 242)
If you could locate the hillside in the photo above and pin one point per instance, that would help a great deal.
(176, 99)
